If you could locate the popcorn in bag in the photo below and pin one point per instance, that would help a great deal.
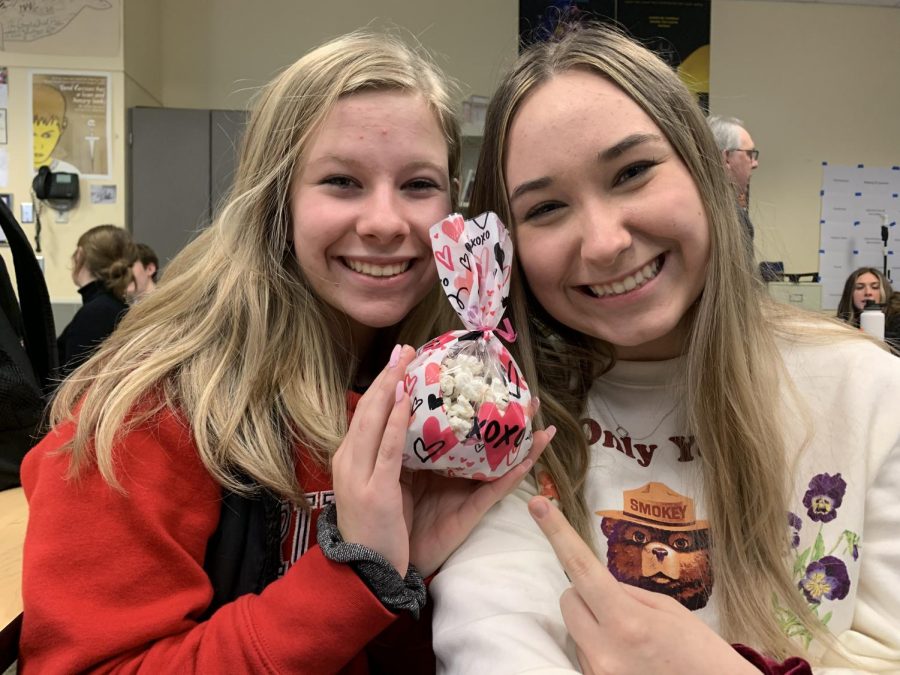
(471, 408)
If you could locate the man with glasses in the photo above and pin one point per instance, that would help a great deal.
(741, 158)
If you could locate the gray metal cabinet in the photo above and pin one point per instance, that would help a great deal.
(180, 165)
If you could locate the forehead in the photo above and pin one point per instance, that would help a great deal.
(574, 108)
(866, 278)
(575, 92)
(381, 111)
(745, 141)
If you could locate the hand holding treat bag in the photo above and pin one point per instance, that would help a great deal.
(471, 408)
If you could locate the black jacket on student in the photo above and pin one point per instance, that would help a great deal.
(93, 323)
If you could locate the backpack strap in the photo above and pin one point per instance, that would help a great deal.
(38, 330)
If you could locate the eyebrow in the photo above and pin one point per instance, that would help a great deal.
(627, 144)
(611, 153)
(349, 161)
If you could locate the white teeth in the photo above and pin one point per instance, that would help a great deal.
(636, 280)
(372, 270)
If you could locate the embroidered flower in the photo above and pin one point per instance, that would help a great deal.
(825, 579)
(795, 524)
(824, 496)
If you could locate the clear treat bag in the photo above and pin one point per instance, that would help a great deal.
(471, 408)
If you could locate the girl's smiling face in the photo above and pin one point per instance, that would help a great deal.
(373, 182)
(610, 227)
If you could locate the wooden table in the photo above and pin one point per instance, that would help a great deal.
(13, 518)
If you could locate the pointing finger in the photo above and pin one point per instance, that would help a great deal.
(594, 583)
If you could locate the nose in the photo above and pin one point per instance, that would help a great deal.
(659, 552)
(382, 218)
(605, 234)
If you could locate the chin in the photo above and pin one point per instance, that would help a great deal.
(379, 319)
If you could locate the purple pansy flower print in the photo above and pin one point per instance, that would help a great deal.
(824, 496)
(826, 578)
(796, 524)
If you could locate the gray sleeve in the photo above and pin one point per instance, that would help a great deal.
(394, 592)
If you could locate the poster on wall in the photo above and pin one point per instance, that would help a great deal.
(677, 30)
(71, 117)
(60, 27)
(860, 207)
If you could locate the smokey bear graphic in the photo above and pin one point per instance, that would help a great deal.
(655, 543)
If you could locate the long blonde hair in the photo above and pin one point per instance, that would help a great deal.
(731, 385)
(235, 340)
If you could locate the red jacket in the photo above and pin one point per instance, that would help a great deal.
(115, 583)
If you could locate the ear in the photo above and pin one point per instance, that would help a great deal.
(608, 525)
(151, 268)
(725, 157)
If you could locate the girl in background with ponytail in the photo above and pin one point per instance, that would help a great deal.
(101, 268)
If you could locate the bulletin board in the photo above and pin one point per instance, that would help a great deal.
(857, 201)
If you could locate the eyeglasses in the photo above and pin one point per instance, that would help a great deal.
(752, 154)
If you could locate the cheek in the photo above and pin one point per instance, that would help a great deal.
(531, 247)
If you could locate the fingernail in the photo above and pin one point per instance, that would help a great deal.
(400, 391)
(551, 432)
(537, 404)
(538, 507)
(395, 357)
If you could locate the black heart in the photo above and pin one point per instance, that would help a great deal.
(424, 452)
(483, 223)
(416, 403)
(464, 261)
(434, 401)
(512, 376)
(499, 254)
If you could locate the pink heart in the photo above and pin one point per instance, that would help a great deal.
(443, 256)
(453, 227)
(432, 373)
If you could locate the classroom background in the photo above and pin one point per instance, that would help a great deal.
(814, 82)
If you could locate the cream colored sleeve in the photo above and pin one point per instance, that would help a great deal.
(872, 644)
(497, 600)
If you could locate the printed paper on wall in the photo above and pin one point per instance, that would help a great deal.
(71, 114)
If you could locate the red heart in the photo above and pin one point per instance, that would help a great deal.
(453, 227)
(409, 382)
(497, 449)
(434, 442)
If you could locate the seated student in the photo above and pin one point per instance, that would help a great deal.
(864, 284)
(144, 270)
(734, 462)
(174, 508)
(101, 268)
